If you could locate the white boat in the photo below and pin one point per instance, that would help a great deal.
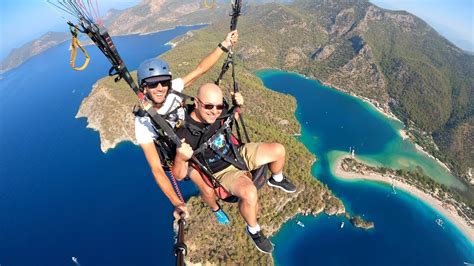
(342, 224)
(440, 222)
(75, 260)
(300, 223)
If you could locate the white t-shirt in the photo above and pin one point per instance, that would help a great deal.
(144, 129)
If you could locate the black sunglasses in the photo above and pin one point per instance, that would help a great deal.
(154, 84)
(208, 106)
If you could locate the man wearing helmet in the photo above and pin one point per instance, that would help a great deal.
(155, 78)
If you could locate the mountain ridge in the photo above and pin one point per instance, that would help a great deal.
(391, 57)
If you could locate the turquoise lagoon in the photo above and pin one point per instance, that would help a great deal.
(405, 231)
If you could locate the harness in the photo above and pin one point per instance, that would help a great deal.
(259, 174)
(164, 144)
(200, 164)
(226, 130)
(166, 148)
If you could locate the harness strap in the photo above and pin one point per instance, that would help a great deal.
(225, 129)
(74, 44)
(208, 143)
(180, 94)
(229, 62)
(183, 96)
(204, 170)
(239, 159)
(234, 162)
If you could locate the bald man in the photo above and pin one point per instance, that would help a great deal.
(202, 124)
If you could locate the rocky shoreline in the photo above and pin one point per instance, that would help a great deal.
(108, 111)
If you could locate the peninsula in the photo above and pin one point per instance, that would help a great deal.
(437, 196)
(19, 55)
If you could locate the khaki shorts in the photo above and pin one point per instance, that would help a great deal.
(229, 175)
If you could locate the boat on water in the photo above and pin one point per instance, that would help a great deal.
(393, 189)
(342, 224)
(440, 222)
(300, 223)
(75, 260)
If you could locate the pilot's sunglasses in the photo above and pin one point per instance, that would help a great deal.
(154, 84)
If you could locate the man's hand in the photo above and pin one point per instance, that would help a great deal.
(184, 152)
(231, 39)
(237, 98)
(179, 209)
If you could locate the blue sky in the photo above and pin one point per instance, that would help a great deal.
(24, 20)
(454, 19)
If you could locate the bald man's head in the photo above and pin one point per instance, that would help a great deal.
(209, 90)
(209, 103)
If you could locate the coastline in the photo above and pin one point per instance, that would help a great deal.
(152, 32)
(376, 105)
(436, 204)
(87, 42)
(387, 113)
(420, 149)
(402, 132)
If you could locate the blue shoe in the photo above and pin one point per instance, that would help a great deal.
(221, 217)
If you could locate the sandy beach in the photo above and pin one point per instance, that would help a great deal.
(451, 214)
(403, 133)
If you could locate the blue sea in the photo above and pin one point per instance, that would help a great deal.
(60, 196)
(405, 230)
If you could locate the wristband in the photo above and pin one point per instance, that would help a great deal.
(223, 48)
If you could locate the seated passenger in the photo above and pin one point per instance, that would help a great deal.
(200, 126)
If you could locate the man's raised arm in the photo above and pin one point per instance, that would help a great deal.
(211, 59)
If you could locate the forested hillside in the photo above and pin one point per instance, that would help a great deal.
(392, 57)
